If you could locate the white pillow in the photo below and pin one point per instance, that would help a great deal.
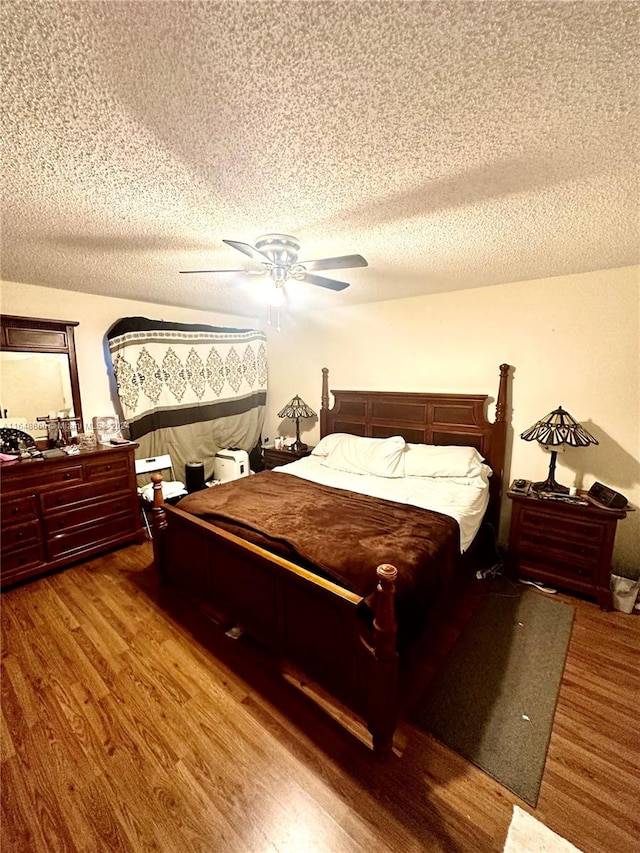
(436, 460)
(326, 444)
(382, 457)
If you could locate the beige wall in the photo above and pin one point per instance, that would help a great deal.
(95, 315)
(573, 341)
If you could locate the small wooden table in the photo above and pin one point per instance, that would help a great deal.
(273, 457)
(564, 544)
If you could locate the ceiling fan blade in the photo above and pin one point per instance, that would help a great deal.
(320, 280)
(246, 249)
(342, 263)
(205, 271)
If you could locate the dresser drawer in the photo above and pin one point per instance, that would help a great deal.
(20, 535)
(40, 477)
(107, 468)
(81, 539)
(88, 513)
(62, 499)
(21, 561)
(19, 509)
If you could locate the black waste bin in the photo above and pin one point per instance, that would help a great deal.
(194, 476)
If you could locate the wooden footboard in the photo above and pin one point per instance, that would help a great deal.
(309, 622)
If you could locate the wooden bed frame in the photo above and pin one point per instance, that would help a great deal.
(309, 622)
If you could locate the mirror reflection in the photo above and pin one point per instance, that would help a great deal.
(34, 385)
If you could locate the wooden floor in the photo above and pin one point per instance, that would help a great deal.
(125, 728)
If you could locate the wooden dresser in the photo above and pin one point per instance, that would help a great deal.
(562, 544)
(61, 510)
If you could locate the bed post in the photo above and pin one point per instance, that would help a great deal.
(159, 522)
(324, 402)
(383, 696)
(499, 438)
(498, 446)
(501, 403)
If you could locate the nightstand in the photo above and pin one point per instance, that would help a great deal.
(273, 457)
(562, 544)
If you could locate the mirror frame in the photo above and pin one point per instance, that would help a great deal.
(33, 334)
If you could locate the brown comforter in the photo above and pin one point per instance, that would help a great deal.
(340, 534)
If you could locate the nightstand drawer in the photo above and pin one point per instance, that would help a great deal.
(560, 565)
(559, 574)
(584, 552)
(561, 526)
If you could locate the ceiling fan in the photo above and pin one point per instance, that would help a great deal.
(277, 254)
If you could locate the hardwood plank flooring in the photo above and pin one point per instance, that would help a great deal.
(128, 724)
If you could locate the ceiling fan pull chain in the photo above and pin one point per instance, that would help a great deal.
(277, 317)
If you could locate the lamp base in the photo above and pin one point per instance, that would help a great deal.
(550, 485)
(298, 446)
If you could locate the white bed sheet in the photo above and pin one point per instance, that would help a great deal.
(463, 500)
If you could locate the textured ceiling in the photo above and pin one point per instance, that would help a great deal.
(453, 144)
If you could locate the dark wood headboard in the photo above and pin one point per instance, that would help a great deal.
(425, 418)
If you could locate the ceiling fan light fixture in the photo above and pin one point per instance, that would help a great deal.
(275, 300)
(276, 295)
(276, 255)
(279, 274)
(281, 249)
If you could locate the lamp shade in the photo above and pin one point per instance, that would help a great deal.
(559, 427)
(296, 408)
(555, 429)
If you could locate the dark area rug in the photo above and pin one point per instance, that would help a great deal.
(494, 699)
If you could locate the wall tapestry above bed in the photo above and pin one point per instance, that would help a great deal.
(189, 390)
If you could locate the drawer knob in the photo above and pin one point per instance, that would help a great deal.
(67, 476)
(107, 467)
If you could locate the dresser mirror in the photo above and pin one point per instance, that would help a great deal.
(38, 374)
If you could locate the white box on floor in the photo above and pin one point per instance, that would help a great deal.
(230, 465)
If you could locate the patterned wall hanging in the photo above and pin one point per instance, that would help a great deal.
(189, 389)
